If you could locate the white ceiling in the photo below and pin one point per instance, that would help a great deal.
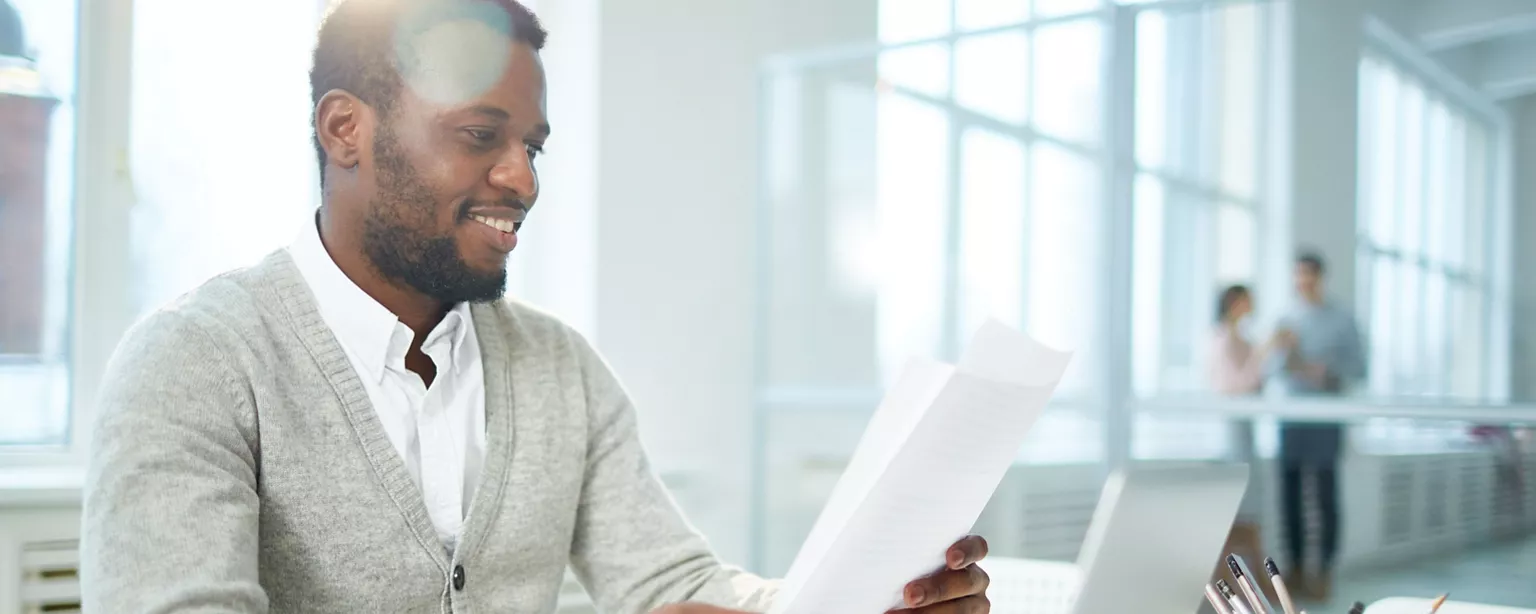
(1491, 44)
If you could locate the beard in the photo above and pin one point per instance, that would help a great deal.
(399, 237)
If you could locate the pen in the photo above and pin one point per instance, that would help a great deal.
(1217, 601)
(1435, 607)
(1237, 602)
(1250, 591)
(1281, 590)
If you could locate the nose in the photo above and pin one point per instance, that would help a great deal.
(514, 175)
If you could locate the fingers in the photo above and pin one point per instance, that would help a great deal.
(693, 608)
(975, 604)
(947, 586)
(966, 552)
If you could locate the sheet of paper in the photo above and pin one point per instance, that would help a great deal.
(933, 454)
(919, 383)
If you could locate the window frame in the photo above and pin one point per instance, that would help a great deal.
(1189, 174)
(102, 200)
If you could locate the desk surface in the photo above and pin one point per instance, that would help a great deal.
(1406, 605)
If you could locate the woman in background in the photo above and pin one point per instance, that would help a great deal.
(1237, 369)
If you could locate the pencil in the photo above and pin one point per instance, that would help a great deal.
(1237, 602)
(1217, 601)
(1235, 563)
(1280, 589)
(1435, 607)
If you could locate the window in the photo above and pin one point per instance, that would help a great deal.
(1200, 75)
(1425, 201)
(968, 182)
(1197, 202)
(203, 201)
(37, 143)
(908, 196)
(212, 200)
(1018, 235)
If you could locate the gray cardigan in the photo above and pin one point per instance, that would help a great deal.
(238, 467)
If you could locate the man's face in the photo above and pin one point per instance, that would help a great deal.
(1308, 281)
(452, 163)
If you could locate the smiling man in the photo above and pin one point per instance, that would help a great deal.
(359, 422)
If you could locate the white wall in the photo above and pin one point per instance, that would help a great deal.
(1320, 108)
(678, 165)
(555, 263)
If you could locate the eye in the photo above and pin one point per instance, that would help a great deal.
(481, 135)
(534, 150)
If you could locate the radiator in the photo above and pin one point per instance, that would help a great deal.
(39, 561)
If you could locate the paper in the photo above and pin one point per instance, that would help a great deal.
(930, 459)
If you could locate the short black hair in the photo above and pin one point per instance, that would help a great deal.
(356, 51)
(1227, 299)
(1313, 260)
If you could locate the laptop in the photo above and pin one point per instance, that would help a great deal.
(1157, 536)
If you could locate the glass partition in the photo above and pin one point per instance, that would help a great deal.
(967, 167)
(911, 192)
(963, 168)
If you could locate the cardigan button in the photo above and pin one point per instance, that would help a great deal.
(458, 577)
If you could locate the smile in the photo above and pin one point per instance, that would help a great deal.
(504, 225)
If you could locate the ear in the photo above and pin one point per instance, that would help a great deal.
(339, 125)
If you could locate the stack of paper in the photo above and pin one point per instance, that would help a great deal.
(930, 459)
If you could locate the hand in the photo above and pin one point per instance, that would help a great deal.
(961, 588)
(1283, 339)
(693, 608)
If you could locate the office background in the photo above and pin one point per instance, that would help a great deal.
(758, 208)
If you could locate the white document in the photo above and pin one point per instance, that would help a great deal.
(930, 459)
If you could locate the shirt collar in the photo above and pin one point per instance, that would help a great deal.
(362, 325)
(458, 327)
(366, 328)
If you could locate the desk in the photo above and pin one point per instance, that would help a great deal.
(1405, 605)
(1029, 586)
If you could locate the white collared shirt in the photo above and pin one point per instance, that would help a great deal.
(439, 430)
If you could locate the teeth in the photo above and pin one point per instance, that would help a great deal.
(497, 223)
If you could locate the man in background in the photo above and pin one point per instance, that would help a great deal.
(1323, 360)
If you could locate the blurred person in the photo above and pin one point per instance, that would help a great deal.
(360, 422)
(1508, 475)
(1237, 369)
(1324, 360)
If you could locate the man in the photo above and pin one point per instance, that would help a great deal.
(358, 423)
(1322, 358)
